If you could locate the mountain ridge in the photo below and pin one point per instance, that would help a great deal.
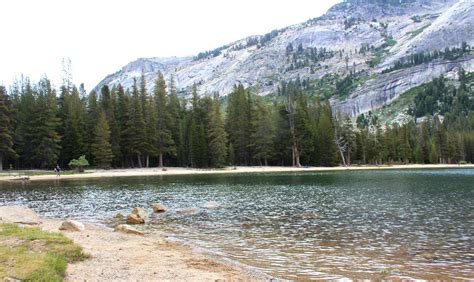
(354, 36)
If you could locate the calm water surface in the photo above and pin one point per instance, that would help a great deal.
(369, 224)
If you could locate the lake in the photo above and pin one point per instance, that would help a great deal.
(330, 225)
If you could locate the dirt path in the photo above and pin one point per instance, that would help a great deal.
(117, 256)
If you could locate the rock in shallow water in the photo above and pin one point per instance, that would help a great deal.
(187, 211)
(211, 205)
(138, 216)
(72, 225)
(157, 207)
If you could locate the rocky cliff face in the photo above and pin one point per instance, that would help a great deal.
(385, 32)
(385, 88)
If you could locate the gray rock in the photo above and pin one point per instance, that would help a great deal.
(19, 215)
(72, 225)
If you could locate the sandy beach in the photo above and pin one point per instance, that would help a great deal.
(116, 256)
(238, 169)
(124, 257)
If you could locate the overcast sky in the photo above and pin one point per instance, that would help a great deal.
(101, 36)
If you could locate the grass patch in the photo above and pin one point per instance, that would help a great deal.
(33, 254)
(416, 32)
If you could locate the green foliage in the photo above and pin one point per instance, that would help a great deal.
(101, 147)
(6, 134)
(425, 57)
(418, 31)
(79, 163)
(295, 127)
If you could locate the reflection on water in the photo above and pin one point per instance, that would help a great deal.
(417, 224)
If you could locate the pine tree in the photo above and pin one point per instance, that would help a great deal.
(165, 143)
(263, 137)
(122, 114)
(217, 136)
(135, 128)
(108, 104)
(238, 123)
(101, 147)
(177, 124)
(327, 139)
(6, 139)
(73, 112)
(45, 140)
(93, 111)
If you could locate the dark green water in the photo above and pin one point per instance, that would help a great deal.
(369, 224)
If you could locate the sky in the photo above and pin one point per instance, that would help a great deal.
(101, 36)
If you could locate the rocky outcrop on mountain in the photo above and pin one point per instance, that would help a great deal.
(355, 35)
(385, 88)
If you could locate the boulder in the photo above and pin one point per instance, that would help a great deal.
(19, 215)
(135, 219)
(138, 216)
(128, 230)
(141, 212)
(72, 225)
(157, 207)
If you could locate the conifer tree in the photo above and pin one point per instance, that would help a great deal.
(327, 138)
(263, 137)
(73, 141)
(217, 136)
(93, 111)
(108, 104)
(123, 116)
(101, 147)
(6, 138)
(165, 143)
(45, 140)
(177, 124)
(135, 128)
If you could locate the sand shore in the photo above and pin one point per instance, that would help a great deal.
(125, 257)
(115, 256)
(239, 169)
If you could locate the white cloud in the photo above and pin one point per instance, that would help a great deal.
(103, 35)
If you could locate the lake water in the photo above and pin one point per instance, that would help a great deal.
(366, 224)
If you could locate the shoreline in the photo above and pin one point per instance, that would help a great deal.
(116, 256)
(137, 172)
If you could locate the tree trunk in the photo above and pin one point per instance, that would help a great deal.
(139, 161)
(342, 156)
(296, 156)
(1, 162)
(266, 162)
(147, 161)
(160, 162)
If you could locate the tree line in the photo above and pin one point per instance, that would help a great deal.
(137, 127)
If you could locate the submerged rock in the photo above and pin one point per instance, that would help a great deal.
(138, 216)
(128, 230)
(157, 207)
(72, 225)
(211, 205)
(187, 211)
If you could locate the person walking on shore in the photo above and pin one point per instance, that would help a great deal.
(57, 169)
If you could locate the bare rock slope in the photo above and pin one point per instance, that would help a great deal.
(349, 37)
